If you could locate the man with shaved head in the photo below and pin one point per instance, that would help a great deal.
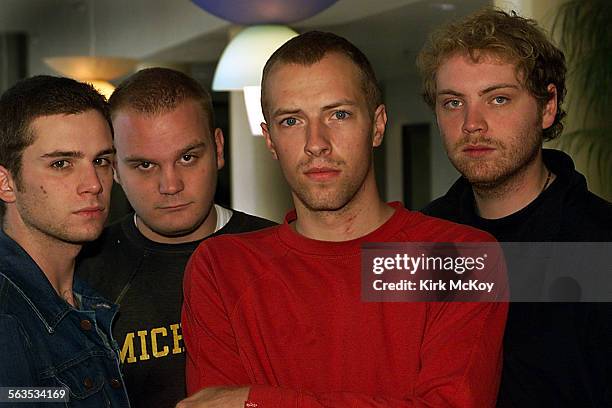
(281, 322)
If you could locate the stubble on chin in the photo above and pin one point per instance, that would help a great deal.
(508, 159)
(323, 198)
(330, 197)
(483, 173)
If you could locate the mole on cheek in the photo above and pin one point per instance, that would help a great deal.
(43, 190)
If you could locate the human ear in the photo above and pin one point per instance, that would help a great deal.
(7, 186)
(549, 111)
(380, 123)
(219, 142)
(116, 171)
(269, 143)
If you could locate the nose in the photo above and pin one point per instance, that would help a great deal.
(474, 120)
(90, 181)
(317, 140)
(170, 181)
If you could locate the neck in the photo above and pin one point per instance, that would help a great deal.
(362, 215)
(512, 195)
(55, 258)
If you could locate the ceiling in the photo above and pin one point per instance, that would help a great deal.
(390, 32)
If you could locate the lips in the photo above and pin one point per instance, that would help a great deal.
(321, 173)
(173, 207)
(92, 211)
(478, 150)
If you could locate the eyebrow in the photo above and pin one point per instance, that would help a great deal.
(341, 102)
(74, 153)
(491, 88)
(288, 111)
(188, 148)
(193, 146)
(293, 111)
(449, 92)
(496, 87)
(106, 152)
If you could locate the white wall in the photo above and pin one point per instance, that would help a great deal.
(258, 186)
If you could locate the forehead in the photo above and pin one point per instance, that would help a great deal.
(481, 69)
(84, 131)
(175, 128)
(334, 76)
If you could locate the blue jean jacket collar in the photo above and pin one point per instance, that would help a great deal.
(18, 267)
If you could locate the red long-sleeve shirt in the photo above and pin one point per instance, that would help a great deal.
(283, 313)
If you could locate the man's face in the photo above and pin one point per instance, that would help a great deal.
(167, 165)
(322, 133)
(490, 124)
(63, 190)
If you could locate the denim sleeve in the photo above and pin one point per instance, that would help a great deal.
(15, 361)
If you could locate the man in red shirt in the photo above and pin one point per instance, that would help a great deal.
(275, 318)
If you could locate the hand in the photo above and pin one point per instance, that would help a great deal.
(217, 397)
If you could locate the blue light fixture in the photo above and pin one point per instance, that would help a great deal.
(255, 12)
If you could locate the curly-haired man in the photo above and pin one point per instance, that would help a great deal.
(496, 84)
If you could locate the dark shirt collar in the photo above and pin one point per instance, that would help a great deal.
(547, 221)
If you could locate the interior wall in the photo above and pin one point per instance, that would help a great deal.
(13, 58)
(258, 185)
(405, 106)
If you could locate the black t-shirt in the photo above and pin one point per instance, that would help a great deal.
(146, 279)
(555, 354)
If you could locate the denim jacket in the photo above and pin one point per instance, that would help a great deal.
(45, 342)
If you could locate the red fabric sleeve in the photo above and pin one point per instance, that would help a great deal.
(212, 353)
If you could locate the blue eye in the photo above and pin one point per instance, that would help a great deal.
(453, 104)
(500, 100)
(340, 115)
(289, 122)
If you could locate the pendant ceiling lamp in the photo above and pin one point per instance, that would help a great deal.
(92, 69)
(242, 61)
(241, 64)
(252, 12)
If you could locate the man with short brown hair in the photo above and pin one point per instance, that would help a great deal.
(56, 151)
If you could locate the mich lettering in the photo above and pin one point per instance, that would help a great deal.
(157, 353)
(157, 342)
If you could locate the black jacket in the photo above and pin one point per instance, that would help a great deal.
(565, 212)
(555, 354)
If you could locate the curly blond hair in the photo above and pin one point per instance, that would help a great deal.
(505, 35)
